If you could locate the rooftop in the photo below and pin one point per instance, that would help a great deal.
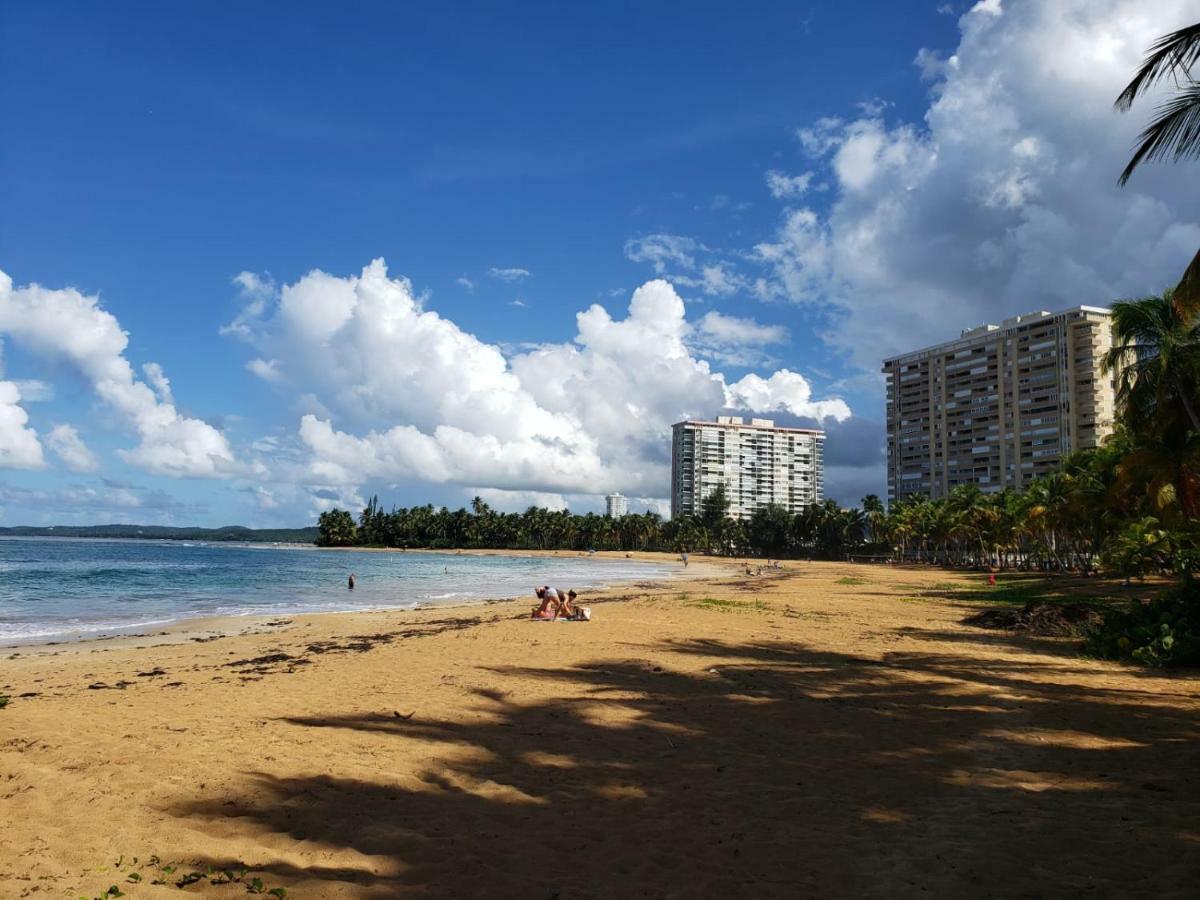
(970, 334)
(739, 422)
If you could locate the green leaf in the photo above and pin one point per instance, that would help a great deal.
(278, 892)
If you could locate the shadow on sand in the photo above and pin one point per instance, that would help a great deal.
(753, 770)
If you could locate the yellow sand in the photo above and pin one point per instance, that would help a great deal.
(835, 732)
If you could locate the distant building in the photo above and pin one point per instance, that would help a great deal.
(999, 406)
(757, 463)
(617, 505)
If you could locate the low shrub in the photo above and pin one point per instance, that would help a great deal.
(1164, 633)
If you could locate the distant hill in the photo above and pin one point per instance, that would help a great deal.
(167, 533)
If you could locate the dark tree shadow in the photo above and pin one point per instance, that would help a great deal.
(756, 770)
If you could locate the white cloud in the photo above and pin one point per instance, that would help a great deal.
(159, 381)
(518, 501)
(518, 302)
(465, 282)
(673, 256)
(1004, 199)
(266, 369)
(784, 186)
(19, 444)
(719, 280)
(65, 324)
(735, 331)
(68, 446)
(784, 391)
(509, 275)
(256, 291)
(399, 392)
(663, 251)
(33, 391)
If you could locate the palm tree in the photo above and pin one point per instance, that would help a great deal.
(1156, 355)
(1175, 130)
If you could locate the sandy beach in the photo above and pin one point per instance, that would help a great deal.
(826, 730)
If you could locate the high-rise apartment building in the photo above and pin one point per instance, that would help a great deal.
(616, 505)
(758, 464)
(999, 406)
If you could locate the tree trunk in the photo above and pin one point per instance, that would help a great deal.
(1187, 293)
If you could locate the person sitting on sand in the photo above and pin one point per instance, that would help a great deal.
(550, 598)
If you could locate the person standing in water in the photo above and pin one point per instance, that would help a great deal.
(350, 583)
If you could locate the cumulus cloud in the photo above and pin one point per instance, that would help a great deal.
(403, 393)
(1004, 198)
(19, 444)
(69, 447)
(68, 325)
(509, 275)
(784, 391)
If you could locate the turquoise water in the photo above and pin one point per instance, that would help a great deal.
(57, 588)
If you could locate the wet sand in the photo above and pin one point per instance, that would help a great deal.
(827, 730)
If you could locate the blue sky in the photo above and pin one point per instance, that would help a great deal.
(817, 184)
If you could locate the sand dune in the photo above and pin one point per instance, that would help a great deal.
(831, 730)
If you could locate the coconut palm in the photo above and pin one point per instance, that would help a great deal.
(1175, 130)
(1156, 355)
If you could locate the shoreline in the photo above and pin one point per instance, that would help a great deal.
(201, 627)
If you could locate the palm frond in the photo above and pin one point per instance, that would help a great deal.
(1171, 54)
(1174, 132)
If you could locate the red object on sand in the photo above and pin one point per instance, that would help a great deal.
(992, 580)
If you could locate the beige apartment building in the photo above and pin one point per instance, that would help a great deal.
(999, 406)
(757, 462)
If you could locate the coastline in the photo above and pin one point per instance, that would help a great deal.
(469, 751)
(202, 628)
(188, 627)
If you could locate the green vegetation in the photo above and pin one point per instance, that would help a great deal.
(4, 698)
(850, 580)
(1165, 632)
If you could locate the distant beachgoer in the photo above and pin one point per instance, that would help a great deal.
(683, 556)
(350, 583)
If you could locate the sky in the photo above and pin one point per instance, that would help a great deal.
(261, 260)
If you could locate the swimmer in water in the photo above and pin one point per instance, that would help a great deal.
(350, 583)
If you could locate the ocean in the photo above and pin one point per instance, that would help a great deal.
(69, 588)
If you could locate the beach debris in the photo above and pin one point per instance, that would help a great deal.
(156, 671)
(405, 717)
(267, 660)
(1051, 619)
